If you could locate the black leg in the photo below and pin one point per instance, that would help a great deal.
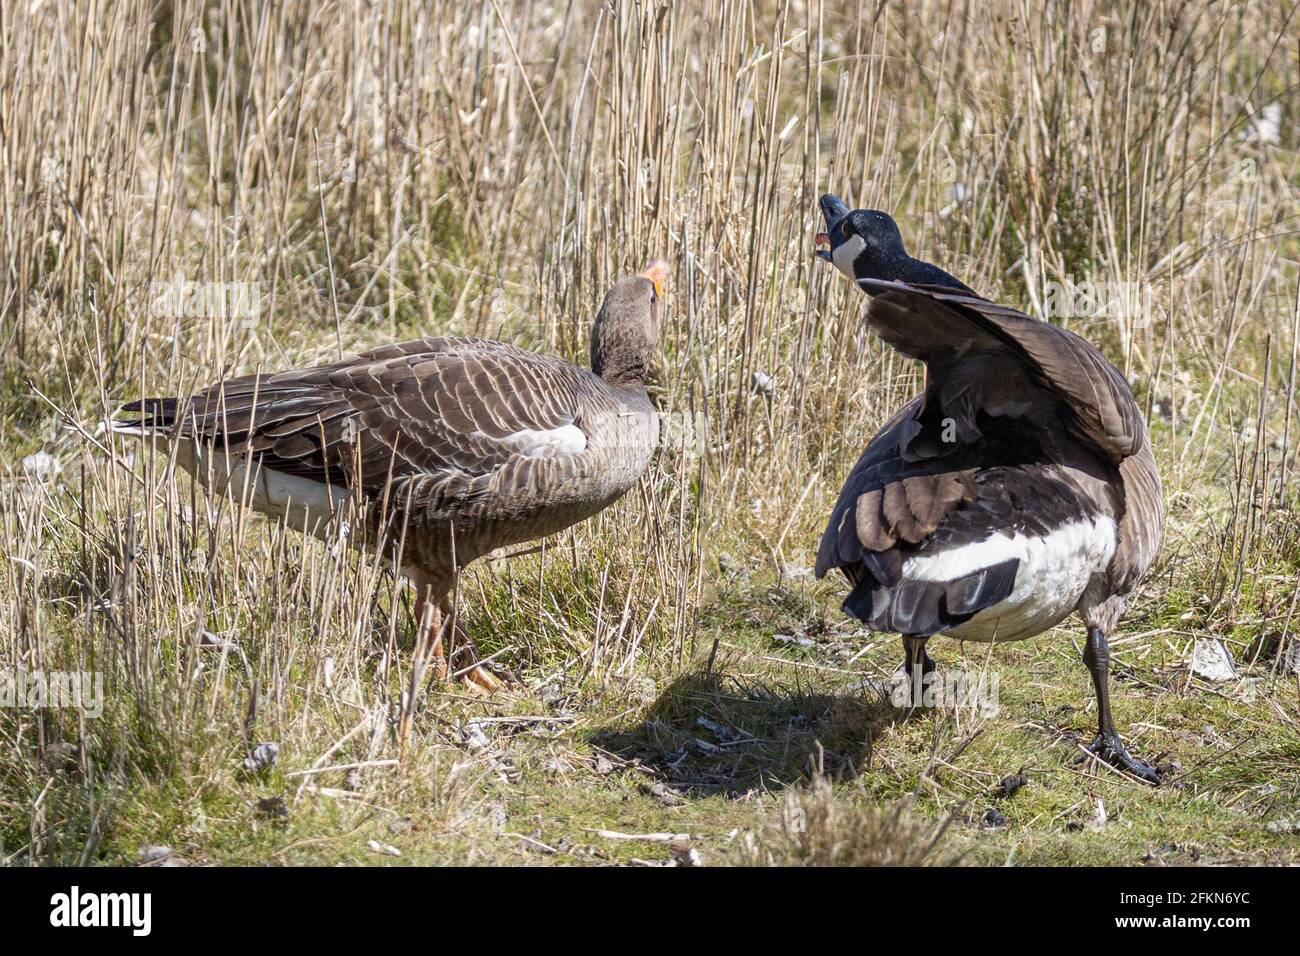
(914, 650)
(1107, 745)
(913, 654)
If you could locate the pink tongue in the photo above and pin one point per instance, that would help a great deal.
(821, 239)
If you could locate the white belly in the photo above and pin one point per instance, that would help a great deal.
(1053, 573)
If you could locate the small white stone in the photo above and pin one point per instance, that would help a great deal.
(263, 756)
(152, 854)
(1211, 660)
(473, 736)
(41, 465)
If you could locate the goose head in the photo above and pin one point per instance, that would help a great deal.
(625, 336)
(864, 243)
(867, 244)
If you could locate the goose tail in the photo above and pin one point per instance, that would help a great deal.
(149, 416)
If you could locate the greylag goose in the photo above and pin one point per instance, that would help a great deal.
(441, 449)
(1017, 488)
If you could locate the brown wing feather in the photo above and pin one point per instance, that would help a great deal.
(942, 328)
(1141, 529)
(427, 407)
(890, 498)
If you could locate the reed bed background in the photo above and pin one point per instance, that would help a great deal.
(359, 173)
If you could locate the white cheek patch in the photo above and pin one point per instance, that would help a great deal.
(562, 442)
(846, 252)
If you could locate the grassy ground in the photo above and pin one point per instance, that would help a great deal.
(686, 692)
(772, 756)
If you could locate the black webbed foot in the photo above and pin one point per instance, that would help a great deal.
(1112, 750)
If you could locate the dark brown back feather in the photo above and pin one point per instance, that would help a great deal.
(943, 328)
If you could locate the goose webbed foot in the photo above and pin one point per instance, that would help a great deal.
(457, 658)
(1111, 749)
(476, 676)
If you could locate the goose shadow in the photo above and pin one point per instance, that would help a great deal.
(708, 734)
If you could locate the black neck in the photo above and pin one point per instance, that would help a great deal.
(903, 268)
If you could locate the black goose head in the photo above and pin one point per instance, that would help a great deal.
(867, 244)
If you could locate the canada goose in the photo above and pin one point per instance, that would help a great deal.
(445, 448)
(1017, 488)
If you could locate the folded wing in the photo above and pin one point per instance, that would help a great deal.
(451, 407)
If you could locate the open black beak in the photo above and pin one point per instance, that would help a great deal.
(833, 210)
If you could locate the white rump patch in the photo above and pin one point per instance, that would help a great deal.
(846, 252)
(312, 507)
(1053, 573)
(562, 442)
(305, 505)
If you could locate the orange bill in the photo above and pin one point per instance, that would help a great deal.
(656, 272)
